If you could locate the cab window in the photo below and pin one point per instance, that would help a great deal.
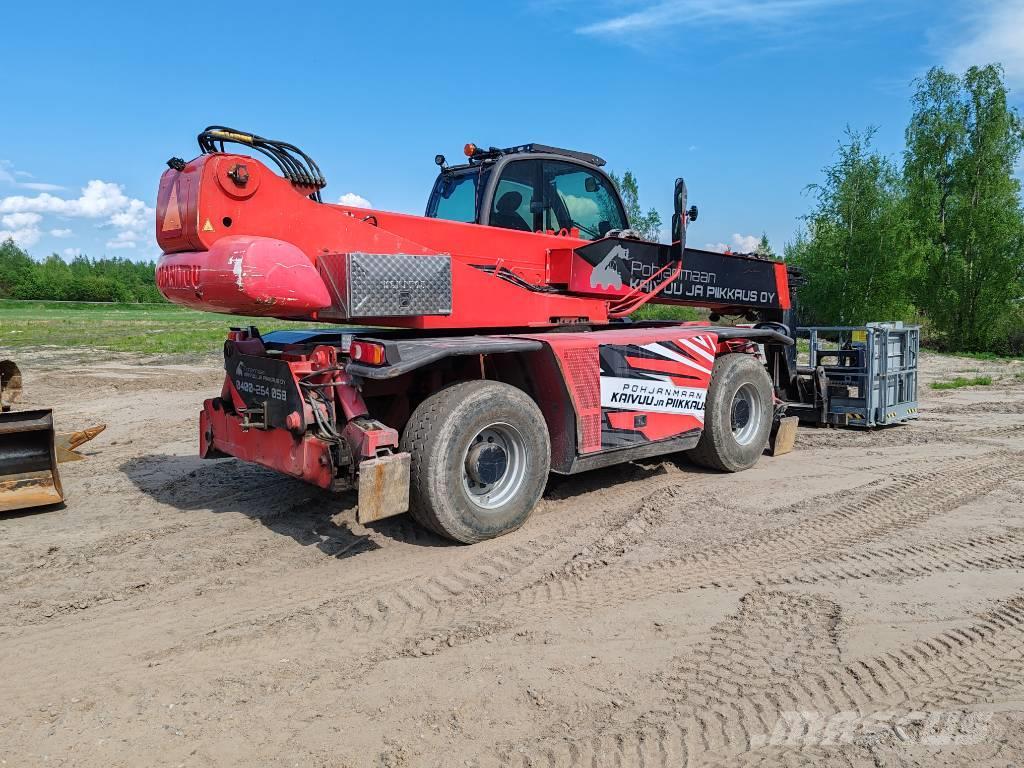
(582, 199)
(455, 195)
(514, 195)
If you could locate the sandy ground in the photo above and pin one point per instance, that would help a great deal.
(857, 602)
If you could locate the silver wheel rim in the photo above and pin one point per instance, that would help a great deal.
(491, 495)
(745, 414)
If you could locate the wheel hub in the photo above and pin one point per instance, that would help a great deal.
(494, 467)
(746, 414)
(740, 413)
(486, 463)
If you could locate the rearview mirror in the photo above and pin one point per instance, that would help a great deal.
(679, 203)
(678, 217)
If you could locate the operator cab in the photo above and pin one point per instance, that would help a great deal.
(529, 188)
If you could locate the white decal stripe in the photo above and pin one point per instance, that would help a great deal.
(652, 376)
(657, 349)
(671, 355)
(688, 343)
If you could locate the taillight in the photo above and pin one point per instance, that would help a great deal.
(368, 352)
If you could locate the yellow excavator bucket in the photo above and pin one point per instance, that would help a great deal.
(28, 461)
(29, 449)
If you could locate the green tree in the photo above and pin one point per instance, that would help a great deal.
(84, 279)
(53, 277)
(648, 225)
(764, 247)
(16, 267)
(854, 253)
(963, 142)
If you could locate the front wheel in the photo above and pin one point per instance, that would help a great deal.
(737, 415)
(480, 455)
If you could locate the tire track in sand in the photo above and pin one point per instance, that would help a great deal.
(408, 617)
(768, 685)
(370, 599)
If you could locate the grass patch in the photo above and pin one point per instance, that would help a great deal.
(669, 312)
(960, 381)
(145, 328)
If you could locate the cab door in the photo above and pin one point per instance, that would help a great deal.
(516, 199)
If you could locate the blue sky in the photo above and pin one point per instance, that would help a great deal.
(745, 98)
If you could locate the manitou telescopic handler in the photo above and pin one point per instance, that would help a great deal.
(494, 345)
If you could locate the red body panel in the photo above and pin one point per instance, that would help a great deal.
(782, 280)
(306, 458)
(635, 385)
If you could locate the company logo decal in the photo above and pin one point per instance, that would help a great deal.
(606, 274)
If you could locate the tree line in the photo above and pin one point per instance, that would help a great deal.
(937, 237)
(82, 279)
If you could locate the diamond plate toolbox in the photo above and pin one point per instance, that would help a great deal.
(395, 285)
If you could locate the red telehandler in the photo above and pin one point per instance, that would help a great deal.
(494, 342)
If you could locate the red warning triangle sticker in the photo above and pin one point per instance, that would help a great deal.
(172, 216)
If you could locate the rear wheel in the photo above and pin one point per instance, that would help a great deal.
(737, 416)
(480, 457)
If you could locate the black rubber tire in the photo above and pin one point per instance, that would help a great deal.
(437, 437)
(718, 447)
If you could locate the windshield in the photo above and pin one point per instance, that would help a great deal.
(455, 195)
(586, 197)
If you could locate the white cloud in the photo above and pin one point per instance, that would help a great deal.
(738, 244)
(135, 216)
(70, 253)
(10, 175)
(102, 200)
(26, 237)
(123, 239)
(38, 186)
(61, 233)
(20, 220)
(23, 228)
(354, 200)
(98, 199)
(671, 13)
(993, 33)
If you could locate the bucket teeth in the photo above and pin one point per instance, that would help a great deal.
(67, 443)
